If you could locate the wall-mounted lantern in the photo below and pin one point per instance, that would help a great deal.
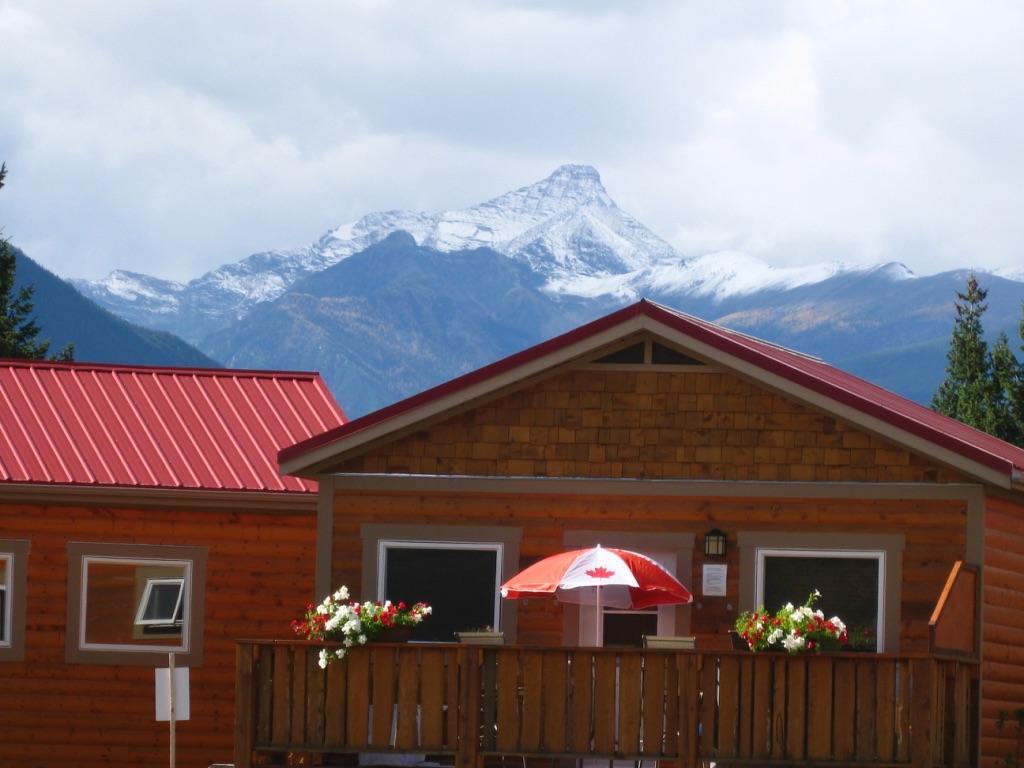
(714, 543)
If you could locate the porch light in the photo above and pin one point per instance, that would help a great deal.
(714, 543)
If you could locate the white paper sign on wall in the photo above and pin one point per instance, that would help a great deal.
(163, 694)
(715, 576)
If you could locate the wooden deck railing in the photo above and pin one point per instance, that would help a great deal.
(471, 702)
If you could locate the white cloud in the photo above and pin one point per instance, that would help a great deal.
(172, 138)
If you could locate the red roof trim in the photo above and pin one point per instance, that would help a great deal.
(815, 375)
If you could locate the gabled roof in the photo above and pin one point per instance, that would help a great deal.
(807, 378)
(83, 424)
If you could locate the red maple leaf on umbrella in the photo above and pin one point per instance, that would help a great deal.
(600, 573)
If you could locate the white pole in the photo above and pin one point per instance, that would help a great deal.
(170, 695)
(598, 624)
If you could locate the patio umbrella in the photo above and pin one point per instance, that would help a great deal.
(604, 577)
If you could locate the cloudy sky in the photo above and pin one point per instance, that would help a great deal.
(173, 137)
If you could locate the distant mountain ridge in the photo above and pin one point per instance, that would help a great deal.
(361, 303)
(64, 315)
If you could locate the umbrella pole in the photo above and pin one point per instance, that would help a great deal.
(598, 640)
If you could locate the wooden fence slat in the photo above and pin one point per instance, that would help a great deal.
(357, 697)
(777, 731)
(962, 709)
(819, 716)
(489, 679)
(244, 710)
(582, 700)
(867, 700)
(728, 706)
(383, 687)
(452, 698)
(532, 693)
(315, 678)
(922, 712)
(264, 692)
(885, 709)
(746, 739)
(431, 699)
(604, 703)
(337, 694)
(508, 721)
(468, 661)
(681, 707)
(901, 711)
(555, 666)
(708, 702)
(406, 727)
(844, 720)
(762, 705)
(299, 666)
(654, 697)
(281, 710)
(630, 703)
(796, 712)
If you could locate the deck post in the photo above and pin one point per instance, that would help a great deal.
(467, 753)
(922, 712)
(243, 705)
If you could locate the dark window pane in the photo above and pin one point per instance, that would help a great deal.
(848, 586)
(163, 603)
(459, 584)
(3, 615)
(662, 355)
(628, 355)
(628, 629)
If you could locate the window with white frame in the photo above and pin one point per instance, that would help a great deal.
(13, 583)
(134, 604)
(6, 559)
(851, 583)
(459, 580)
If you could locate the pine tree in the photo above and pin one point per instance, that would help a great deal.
(18, 329)
(968, 392)
(1008, 393)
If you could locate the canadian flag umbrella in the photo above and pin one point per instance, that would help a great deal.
(615, 578)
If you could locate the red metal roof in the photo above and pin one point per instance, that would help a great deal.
(150, 427)
(809, 372)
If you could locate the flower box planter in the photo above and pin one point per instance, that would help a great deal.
(481, 638)
(399, 634)
(670, 642)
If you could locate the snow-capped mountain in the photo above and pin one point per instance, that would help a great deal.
(566, 228)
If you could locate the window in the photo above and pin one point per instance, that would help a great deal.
(160, 606)
(13, 555)
(626, 629)
(648, 352)
(459, 580)
(851, 582)
(134, 604)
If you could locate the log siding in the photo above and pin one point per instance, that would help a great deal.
(52, 713)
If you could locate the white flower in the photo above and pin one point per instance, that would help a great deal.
(322, 661)
(362, 639)
(789, 607)
(793, 642)
(817, 593)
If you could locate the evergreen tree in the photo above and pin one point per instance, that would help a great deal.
(1008, 393)
(18, 328)
(968, 391)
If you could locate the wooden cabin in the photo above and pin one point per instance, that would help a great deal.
(141, 513)
(655, 431)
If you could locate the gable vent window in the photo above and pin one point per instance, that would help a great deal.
(633, 355)
(647, 352)
(662, 355)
